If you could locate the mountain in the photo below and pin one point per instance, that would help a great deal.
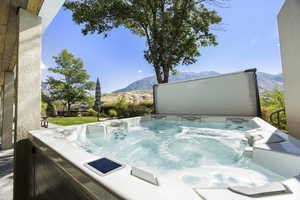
(269, 81)
(148, 82)
(265, 80)
(136, 96)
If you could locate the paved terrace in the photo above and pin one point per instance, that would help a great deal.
(6, 171)
(6, 175)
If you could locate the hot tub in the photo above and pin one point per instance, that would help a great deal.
(191, 156)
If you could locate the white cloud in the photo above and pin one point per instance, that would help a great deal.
(44, 66)
(140, 71)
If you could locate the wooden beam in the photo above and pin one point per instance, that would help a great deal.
(2, 37)
(34, 6)
(9, 29)
(1, 81)
(4, 9)
(11, 36)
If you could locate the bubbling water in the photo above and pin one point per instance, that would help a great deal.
(194, 154)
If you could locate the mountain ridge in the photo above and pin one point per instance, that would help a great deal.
(265, 80)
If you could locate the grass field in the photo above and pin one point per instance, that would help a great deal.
(67, 121)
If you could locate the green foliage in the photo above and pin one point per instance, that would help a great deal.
(121, 106)
(103, 115)
(112, 113)
(125, 109)
(44, 106)
(174, 29)
(271, 101)
(58, 105)
(50, 111)
(139, 110)
(90, 100)
(70, 84)
(67, 121)
(97, 104)
(92, 112)
(148, 104)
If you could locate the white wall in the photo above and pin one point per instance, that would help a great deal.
(289, 29)
(229, 94)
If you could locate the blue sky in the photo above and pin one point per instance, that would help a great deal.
(249, 39)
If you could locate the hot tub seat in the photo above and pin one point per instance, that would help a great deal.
(269, 189)
(293, 185)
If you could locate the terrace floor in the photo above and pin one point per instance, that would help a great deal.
(6, 175)
(6, 171)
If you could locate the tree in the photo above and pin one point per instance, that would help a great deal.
(90, 101)
(174, 29)
(44, 106)
(70, 83)
(97, 105)
(50, 110)
(272, 101)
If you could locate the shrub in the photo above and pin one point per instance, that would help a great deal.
(92, 112)
(147, 104)
(121, 107)
(271, 101)
(125, 109)
(138, 110)
(103, 115)
(70, 114)
(85, 114)
(112, 113)
(44, 106)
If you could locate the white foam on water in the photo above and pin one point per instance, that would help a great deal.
(207, 155)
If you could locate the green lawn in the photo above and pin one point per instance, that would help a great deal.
(67, 121)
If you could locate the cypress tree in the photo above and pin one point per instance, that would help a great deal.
(97, 105)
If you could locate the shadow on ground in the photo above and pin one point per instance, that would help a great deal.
(6, 175)
(6, 165)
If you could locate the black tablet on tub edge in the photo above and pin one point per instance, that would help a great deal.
(103, 166)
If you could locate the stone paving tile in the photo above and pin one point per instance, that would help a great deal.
(6, 171)
(6, 175)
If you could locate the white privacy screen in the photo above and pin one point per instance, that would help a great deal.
(232, 94)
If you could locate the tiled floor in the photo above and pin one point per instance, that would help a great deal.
(6, 175)
(6, 172)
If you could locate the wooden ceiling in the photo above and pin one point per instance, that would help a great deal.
(9, 30)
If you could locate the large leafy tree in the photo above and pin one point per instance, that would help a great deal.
(174, 29)
(70, 82)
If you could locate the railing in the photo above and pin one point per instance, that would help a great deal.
(275, 119)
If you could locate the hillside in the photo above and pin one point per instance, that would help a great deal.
(130, 97)
(141, 90)
(265, 80)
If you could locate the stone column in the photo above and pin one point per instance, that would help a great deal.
(7, 110)
(289, 32)
(28, 100)
(28, 79)
(1, 100)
